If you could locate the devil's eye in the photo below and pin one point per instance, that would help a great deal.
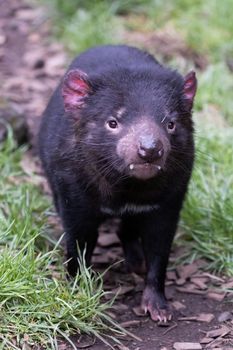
(171, 126)
(112, 124)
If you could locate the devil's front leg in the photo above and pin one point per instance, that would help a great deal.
(81, 224)
(129, 236)
(157, 233)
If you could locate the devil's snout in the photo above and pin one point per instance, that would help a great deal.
(150, 149)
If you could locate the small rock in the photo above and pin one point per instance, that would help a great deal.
(225, 316)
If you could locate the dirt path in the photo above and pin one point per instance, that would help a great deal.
(30, 68)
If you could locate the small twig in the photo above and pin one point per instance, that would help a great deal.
(170, 328)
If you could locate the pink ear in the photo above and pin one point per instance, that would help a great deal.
(190, 88)
(74, 89)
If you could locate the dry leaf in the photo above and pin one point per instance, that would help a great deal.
(120, 307)
(218, 332)
(122, 290)
(138, 311)
(130, 323)
(29, 165)
(216, 296)
(171, 275)
(185, 271)
(122, 347)
(190, 291)
(178, 305)
(180, 281)
(206, 340)
(228, 285)
(187, 346)
(203, 317)
(199, 282)
(213, 277)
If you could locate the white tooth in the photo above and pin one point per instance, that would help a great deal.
(159, 167)
(131, 166)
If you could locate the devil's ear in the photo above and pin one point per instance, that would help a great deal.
(190, 88)
(75, 88)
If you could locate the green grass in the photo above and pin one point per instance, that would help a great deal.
(38, 304)
(215, 89)
(207, 215)
(82, 24)
(206, 26)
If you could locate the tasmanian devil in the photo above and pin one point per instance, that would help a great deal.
(117, 140)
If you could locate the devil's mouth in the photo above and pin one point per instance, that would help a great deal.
(133, 166)
(144, 171)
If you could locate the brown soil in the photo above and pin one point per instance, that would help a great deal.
(30, 69)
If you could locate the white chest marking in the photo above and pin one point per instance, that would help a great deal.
(129, 208)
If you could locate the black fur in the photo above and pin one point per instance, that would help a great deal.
(85, 176)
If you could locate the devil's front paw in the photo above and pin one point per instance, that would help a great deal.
(155, 303)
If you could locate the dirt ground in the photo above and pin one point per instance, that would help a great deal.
(31, 65)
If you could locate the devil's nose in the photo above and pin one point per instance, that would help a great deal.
(151, 150)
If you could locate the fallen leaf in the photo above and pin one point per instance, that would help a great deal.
(203, 317)
(185, 271)
(200, 318)
(122, 290)
(216, 296)
(138, 311)
(218, 332)
(130, 323)
(180, 281)
(29, 165)
(213, 277)
(137, 279)
(188, 318)
(171, 275)
(190, 291)
(199, 282)
(228, 285)
(187, 346)
(122, 347)
(120, 307)
(206, 340)
(178, 305)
